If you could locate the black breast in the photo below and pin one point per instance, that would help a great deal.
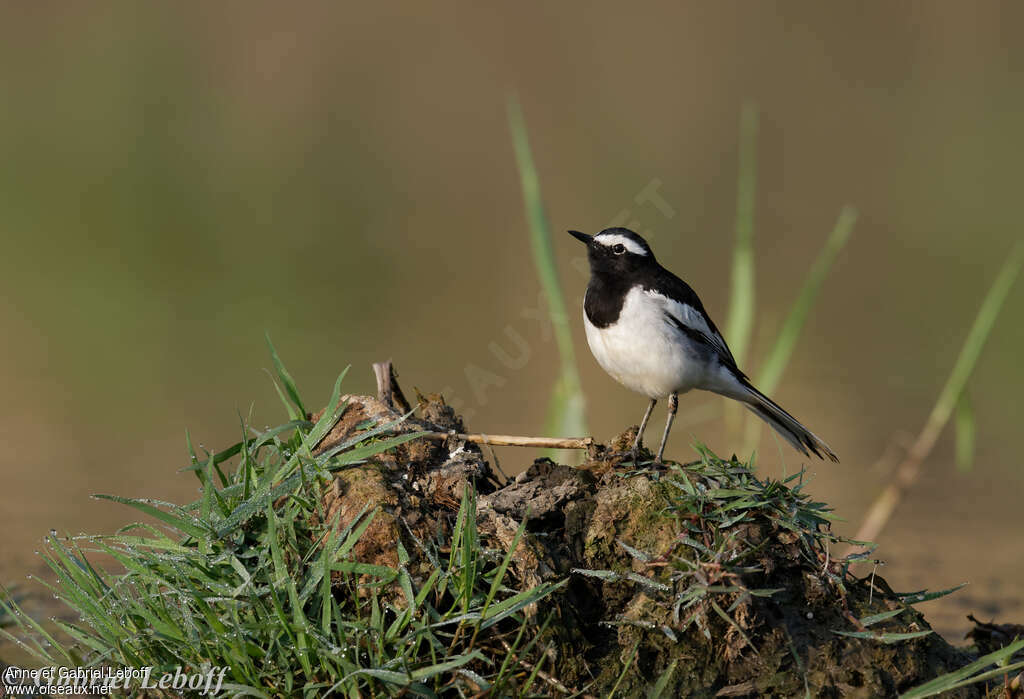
(604, 301)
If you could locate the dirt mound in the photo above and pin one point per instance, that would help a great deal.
(697, 579)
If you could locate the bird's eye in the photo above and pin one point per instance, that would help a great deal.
(619, 249)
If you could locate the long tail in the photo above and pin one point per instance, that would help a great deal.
(785, 424)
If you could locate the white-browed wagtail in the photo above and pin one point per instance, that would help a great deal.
(649, 330)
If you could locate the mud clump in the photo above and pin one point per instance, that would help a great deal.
(416, 485)
(699, 578)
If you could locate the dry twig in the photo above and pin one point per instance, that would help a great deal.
(390, 393)
(506, 440)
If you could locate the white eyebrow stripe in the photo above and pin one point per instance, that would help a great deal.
(610, 239)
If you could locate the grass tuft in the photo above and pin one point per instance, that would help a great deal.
(250, 576)
(704, 570)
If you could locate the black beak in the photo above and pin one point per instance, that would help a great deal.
(582, 237)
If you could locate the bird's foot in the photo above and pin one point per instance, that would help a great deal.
(632, 457)
(623, 455)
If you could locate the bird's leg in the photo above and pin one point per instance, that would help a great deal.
(673, 405)
(640, 432)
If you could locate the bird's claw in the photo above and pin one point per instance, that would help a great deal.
(623, 455)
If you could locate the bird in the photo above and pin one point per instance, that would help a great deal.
(648, 330)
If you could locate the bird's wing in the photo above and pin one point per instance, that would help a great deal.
(684, 309)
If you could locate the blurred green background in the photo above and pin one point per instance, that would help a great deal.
(177, 179)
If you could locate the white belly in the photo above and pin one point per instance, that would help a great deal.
(644, 352)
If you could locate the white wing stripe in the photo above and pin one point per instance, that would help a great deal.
(690, 317)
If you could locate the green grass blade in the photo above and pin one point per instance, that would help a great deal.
(881, 510)
(912, 598)
(1003, 672)
(287, 380)
(972, 347)
(45, 648)
(887, 638)
(566, 410)
(662, 684)
(625, 669)
(499, 576)
(965, 675)
(966, 433)
(239, 690)
(434, 670)
(732, 622)
(740, 323)
(331, 414)
(207, 501)
(180, 523)
(519, 601)
(470, 548)
(325, 457)
(267, 489)
(363, 451)
(882, 616)
(6, 618)
(779, 356)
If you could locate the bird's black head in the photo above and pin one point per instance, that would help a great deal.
(616, 252)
